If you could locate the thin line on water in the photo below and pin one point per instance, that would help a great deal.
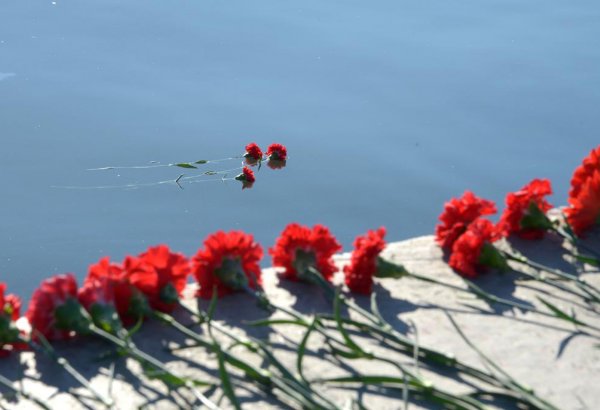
(161, 165)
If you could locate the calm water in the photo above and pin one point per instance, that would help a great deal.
(388, 109)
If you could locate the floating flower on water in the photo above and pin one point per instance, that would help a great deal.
(247, 175)
(473, 250)
(300, 247)
(277, 152)
(253, 153)
(525, 213)
(364, 261)
(229, 262)
(161, 276)
(45, 314)
(458, 214)
(10, 308)
(583, 211)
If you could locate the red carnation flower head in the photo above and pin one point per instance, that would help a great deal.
(54, 311)
(253, 153)
(458, 214)
(161, 275)
(525, 213)
(473, 251)
(229, 262)
(277, 152)
(583, 211)
(588, 167)
(107, 287)
(364, 261)
(300, 247)
(10, 307)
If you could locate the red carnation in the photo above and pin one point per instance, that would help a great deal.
(161, 276)
(458, 214)
(363, 263)
(584, 209)
(228, 261)
(53, 293)
(590, 164)
(10, 307)
(584, 198)
(525, 210)
(300, 247)
(468, 251)
(108, 284)
(277, 152)
(253, 153)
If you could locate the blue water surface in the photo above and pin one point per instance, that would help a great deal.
(388, 109)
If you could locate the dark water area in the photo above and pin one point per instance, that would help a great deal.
(388, 109)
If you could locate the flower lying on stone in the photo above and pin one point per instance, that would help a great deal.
(299, 248)
(229, 262)
(583, 211)
(51, 310)
(473, 250)
(525, 213)
(364, 261)
(458, 214)
(107, 285)
(161, 276)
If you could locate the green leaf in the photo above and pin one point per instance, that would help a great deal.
(225, 380)
(271, 322)
(386, 269)
(70, 316)
(212, 305)
(106, 317)
(561, 314)
(347, 354)
(337, 301)
(202, 161)
(588, 259)
(490, 256)
(185, 165)
(302, 348)
(534, 218)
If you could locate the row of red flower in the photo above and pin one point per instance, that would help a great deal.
(156, 278)
(465, 233)
(230, 261)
